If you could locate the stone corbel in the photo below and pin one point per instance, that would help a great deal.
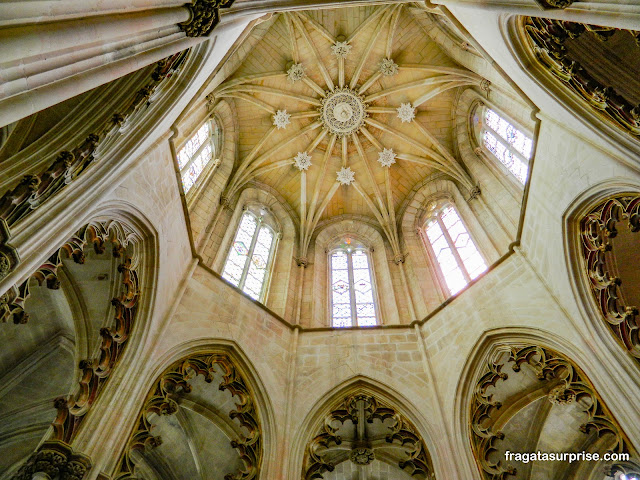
(57, 460)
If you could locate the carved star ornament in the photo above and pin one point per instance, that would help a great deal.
(363, 105)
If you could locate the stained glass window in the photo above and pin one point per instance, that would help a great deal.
(195, 155)
(250, 255)
(508, 144)
(352, 302)
(457, 256)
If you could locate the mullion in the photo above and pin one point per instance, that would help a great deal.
(352, 296)
(245, 271)
(452, 246)
(198, 152)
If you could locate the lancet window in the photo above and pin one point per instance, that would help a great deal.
(457, 256)
(508, 144)
(251, 254)
(352, 288)
(196, 154)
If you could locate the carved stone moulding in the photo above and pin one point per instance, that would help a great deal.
(35, 189)
(172, 384)
(597, 229)
(55, 460)
(566, 383)
(549, 40)
(205, 16)
(361, 409)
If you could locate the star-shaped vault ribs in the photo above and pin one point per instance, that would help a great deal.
(352, 101)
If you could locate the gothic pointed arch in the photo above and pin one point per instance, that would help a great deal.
(520, 393)
(601, 241)
(203, 415)
(363, 427)
(70, 323)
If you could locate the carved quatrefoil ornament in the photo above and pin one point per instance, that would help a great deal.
(343, 112)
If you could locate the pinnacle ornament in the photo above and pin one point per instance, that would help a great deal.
(281, 119)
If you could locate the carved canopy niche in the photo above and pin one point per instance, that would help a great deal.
(532, 399)
(610, 246)
(364, 435)
(601, 64)
(188, 428)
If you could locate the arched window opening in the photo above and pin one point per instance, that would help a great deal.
(352, 292)
(251, 254)
(509, 145)
(196, 154)
(457, 256)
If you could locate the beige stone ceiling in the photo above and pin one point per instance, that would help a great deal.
(426, 78)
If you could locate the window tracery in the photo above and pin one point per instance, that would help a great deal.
(251, 254)
(352, 291)
(504, 141)
(196, 154)
(457, 256)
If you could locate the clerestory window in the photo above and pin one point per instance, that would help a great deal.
(352, 290)
(457, 256)
(251, 254)
(509, 145)
(196, 154)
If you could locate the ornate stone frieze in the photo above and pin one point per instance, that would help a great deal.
(548, 38)
(56, 460)
(361, 409)
(205, 15)
(567, 384)
(597, 230)
(173, 383)
(34, 190)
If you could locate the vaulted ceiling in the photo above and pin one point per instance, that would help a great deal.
(363, 91)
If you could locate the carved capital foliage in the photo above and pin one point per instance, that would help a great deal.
(597, 229)
(33, 190)
(56, 460)
(566, 383)
(205, 16)
(555, 3)
(173, 383)
(366, 408)
(548, 37)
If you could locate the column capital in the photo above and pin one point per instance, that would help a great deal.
(205, 16)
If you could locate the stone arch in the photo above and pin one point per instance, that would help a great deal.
(618, 351)
(164, 390)
(359, 228)
(521, 344)
(365, 386)
(63, 287)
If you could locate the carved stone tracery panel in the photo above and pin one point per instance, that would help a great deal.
(563, 383)
(597, 229)
(392, 438)
(557, 45)
(163, 400)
